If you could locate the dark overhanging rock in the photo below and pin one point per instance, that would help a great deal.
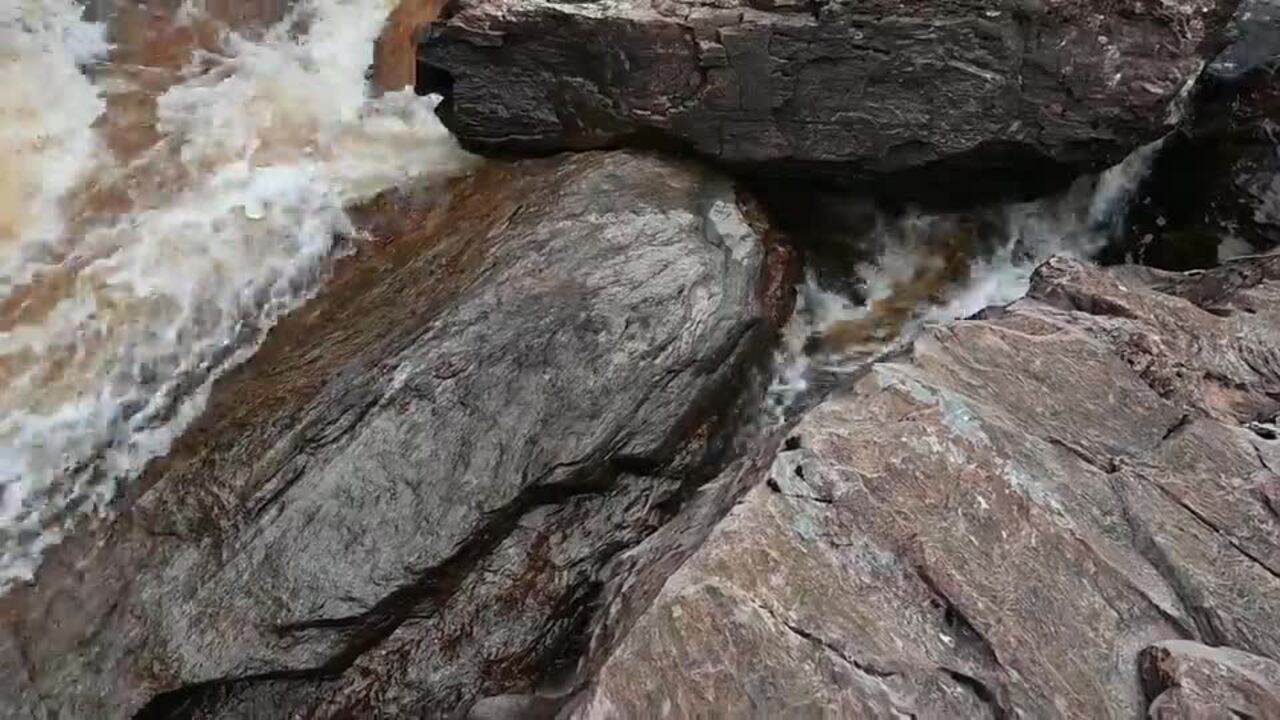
(946, 102)
(369, 669)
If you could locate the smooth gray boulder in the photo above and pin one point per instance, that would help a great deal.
(1001, 522)
(421, 488)
(943, 100)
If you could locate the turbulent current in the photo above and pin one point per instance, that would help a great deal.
(919, 274)
(173, 177)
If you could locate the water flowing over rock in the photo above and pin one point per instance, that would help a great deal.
(428, 481)
(1214, 190)
(550, 444)
(182, 189)
(949, 100)
(1001, 522)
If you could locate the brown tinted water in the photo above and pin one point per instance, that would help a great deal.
(175, 194)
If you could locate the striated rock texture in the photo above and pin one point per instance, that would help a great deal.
(1189, 680)
(428, 481)
(949, 99)
(1051, 511)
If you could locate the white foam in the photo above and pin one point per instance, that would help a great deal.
(272, 138)
(47, 143)
(1077, 223)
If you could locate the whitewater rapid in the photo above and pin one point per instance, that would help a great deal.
(1078, 223)
(171, 183)
(160, 208)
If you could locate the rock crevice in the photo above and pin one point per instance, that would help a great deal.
(1031, 518)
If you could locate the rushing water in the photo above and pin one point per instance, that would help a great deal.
(174, 176)
(919, 277)
(172, 179)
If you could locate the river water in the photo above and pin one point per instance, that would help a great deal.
(913, 276)
(173, 177)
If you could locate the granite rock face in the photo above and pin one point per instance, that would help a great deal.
(428, 481)
(944, 99)
(1051, 511)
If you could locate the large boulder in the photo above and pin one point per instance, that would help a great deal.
(426, 482)
(947, 99)
(1007, 520)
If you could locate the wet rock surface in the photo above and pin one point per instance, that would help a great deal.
(1067, 508)
(941, 100)
(429, 481)
(511, 462)
(1214, 189)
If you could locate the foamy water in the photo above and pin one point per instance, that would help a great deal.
(133, 272)
(1017, 238)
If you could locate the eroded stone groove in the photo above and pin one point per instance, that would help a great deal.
(510, 463)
